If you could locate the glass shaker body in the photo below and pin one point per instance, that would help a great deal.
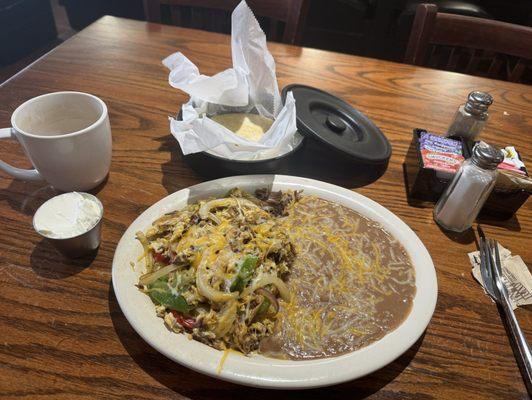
(467, 124)
(462, 200)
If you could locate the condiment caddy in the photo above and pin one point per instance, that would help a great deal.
(425, 182)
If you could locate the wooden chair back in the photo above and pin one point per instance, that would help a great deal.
(471, 45)
(213, 15)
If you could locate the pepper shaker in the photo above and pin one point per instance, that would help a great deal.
(471, 117)
(462, 200)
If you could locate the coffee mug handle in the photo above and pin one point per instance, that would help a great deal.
(17, 173)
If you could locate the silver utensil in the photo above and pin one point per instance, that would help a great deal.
(491, 271)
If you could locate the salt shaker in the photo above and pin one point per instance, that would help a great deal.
(471, 117)
(463, 199)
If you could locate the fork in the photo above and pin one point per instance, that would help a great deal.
(491, 271)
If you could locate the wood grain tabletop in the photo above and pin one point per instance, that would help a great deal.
(62, 333)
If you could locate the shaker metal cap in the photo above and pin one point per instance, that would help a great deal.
(478, 101)
(486, 156)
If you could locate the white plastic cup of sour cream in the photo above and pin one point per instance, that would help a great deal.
(71, 222)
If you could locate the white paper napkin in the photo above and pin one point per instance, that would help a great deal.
(515, 273)
(250, 86)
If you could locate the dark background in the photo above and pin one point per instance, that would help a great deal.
(373, 28)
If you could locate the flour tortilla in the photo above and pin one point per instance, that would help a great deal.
(246, 125)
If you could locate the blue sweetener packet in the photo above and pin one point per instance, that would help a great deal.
(432, 142)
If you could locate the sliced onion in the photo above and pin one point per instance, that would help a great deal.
(204, 288)
(214, 218)
(151, 277)
(226, 319)
(206, 208)
(268, 279)
(269, 295)
(141, 237)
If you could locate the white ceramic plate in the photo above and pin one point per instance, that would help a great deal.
(258, 370)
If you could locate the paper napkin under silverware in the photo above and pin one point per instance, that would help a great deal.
(516, 276)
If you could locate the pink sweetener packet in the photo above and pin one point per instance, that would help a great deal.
(448, 162)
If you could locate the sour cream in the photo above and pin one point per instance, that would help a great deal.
(67, 215)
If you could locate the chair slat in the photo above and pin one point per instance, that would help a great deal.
(152, 10)
(468, 34)
(518, 70)
(196, 17)
(420, 34)
(474, 59)
(495, 66)
(272, 29)
(218, 18)
(452, 60)
(432, 60)
(175, 16)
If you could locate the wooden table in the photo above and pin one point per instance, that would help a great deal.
(62, 334)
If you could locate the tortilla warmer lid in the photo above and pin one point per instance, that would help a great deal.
(338, 126)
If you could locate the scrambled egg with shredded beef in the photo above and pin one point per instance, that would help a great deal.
(216, 269)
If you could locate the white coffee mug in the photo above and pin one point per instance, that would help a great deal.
(66, 136)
